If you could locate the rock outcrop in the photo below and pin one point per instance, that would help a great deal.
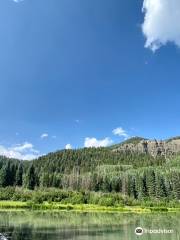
(153, 147)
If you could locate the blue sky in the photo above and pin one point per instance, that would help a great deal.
(86, 73)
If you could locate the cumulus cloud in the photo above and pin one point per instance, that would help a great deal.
(68, 146)
(24, 151)
(44, 135)
(93, 142)
(120, 132)
(161, 23)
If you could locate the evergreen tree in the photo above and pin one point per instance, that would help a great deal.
(141, 186)
(2, 177)
(5, 175)
(19, 175)
(176, 184)
(151, 182)
(160, 187)
(30, 178)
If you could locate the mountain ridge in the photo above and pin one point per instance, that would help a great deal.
(136, 144)
(132, 173)
(167, 147)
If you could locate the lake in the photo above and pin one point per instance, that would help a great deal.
(17, 225)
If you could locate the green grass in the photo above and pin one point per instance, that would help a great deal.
(15, 205)
(12, 204)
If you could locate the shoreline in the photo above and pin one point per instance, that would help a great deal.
(18, 205)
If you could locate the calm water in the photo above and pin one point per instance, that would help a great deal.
(86, 226)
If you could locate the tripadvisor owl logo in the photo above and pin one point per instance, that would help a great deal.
(2, 237)
(139, 231)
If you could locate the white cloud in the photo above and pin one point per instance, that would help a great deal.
(161, 23)
(93, 142)
(23, 147)
(23, 151)
(68, 146)
(120, 132)
(44, 135)
(17, 1)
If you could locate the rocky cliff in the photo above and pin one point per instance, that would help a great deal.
(153, 147)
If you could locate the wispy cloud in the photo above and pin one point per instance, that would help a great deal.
(17, 1)
(93, 142)
(120, 132)
(68, 146)
(77, 120)
(44, 135)
(23, 147)
(161, 23)
(24, 151)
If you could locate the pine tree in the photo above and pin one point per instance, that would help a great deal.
(19, 175)
(176, 184)
(30, 178)
(141, 186)
(151, 183)
(133, 190)
(2, 177)
(160, 187)
(5, 175)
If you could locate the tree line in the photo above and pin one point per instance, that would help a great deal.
(139, 176)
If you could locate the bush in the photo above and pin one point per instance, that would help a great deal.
(106, 201)
(7, 193)
(52, 195)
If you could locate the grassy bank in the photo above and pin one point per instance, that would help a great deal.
(56, 199)
(17, 205)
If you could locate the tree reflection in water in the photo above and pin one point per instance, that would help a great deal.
(85, 226)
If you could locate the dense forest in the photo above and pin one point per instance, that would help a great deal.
(139, 176)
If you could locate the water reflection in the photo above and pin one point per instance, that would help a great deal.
(86, 226)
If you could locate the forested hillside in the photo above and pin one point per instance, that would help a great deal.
(139, 176)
